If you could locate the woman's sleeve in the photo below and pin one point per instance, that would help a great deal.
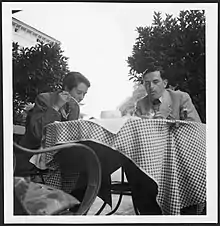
(74, 111)
(42, 115)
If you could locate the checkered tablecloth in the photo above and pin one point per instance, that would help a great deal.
(173, 156)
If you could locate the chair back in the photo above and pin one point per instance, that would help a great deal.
(71, 156)
(81, 158)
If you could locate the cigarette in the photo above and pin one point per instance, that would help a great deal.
(76, 101)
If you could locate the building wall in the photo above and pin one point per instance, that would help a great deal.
(23, 38)
(27, 36)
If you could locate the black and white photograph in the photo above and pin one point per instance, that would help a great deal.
(110, 112)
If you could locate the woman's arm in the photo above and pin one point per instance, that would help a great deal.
(73, 110)
(41, 115)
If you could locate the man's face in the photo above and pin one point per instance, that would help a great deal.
(154, 84)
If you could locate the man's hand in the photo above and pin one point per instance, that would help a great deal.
(149, 115)
(158, 115)
(145, 116)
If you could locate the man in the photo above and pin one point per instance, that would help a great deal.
(164, 103)
(159, 103)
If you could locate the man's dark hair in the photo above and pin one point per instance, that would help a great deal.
(72, 79)
(152, 68)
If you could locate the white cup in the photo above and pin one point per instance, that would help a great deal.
(110, 114)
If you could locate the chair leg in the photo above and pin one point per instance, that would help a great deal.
(119, 200)
(117, 206)
(135, 209)
(101, 209)
(120, 196)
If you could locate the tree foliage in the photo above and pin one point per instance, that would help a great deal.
(127, 107)
(178, 45)
(35, 70)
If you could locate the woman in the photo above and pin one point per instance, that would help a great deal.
(55, 106)
(61, 105)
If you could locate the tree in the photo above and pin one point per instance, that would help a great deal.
(178, 45)
(127, 107)
(35, 70)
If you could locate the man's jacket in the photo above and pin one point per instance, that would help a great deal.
(173, 105)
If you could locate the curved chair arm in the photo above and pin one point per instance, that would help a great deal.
(49, 149)
(66, 156)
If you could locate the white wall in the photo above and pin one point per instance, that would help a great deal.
(23, 38)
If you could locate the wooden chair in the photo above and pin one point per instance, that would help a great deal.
(26, 169)
(69, 154)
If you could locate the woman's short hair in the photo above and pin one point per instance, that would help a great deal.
(72, 79)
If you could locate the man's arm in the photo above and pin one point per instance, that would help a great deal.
(137, 110)
(186, 104)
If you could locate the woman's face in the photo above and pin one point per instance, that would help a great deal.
(79, 91)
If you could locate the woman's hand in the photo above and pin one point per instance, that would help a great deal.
(63, 98)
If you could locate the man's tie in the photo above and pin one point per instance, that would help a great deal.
(156, 104)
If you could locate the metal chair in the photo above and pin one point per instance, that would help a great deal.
(120, 188)
(68, 155)
(116, 187)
